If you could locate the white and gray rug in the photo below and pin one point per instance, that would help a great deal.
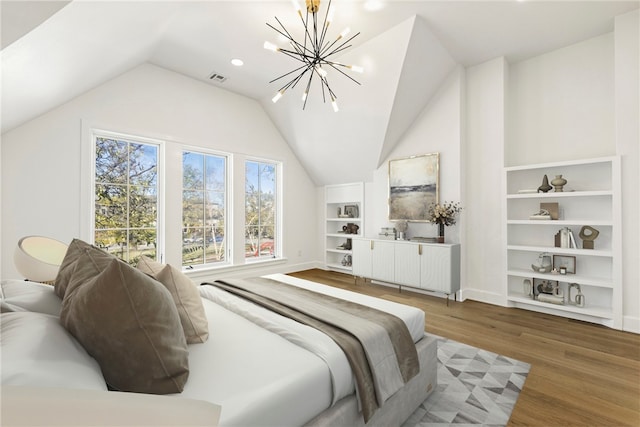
(475, 387)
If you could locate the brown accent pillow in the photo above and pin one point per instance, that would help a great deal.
(128, 322)
(80, 272)
(185, 295)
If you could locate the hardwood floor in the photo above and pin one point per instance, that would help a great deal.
(581, 374)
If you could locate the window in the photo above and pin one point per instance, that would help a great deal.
(260, 210)
(126, 197)
(204, 208)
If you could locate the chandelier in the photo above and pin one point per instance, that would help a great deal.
(314, 53)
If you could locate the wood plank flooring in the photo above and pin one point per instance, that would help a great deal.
(581, 374)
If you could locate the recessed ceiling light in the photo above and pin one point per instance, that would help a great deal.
(237, 62)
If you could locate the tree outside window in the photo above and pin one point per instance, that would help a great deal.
(203, 208)
(126, 198)
(260, 210)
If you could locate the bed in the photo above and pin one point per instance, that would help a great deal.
(260, 368)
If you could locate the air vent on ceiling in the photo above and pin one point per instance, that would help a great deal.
(215, 77)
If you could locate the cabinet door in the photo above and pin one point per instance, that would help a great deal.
(407, 264)
(435, 269)
(382, 261)
(361, 257)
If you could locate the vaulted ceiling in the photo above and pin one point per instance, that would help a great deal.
(53, 51)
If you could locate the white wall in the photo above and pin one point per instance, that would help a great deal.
(41, 160)
(483, 164)
(561, 104)
(437, 129)
(627, 100)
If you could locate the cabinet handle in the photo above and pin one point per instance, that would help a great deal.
(371, 242)
(419, 249)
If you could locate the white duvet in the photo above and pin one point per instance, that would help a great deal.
(265, 369)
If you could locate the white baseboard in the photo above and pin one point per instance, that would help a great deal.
(483, 296)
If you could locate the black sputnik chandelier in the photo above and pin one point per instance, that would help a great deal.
(314, 53)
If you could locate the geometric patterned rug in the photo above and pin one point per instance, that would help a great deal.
(475, 387)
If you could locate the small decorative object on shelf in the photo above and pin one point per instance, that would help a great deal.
(350, 228)
(545, 187)
(402, 227)
(387, 233)
(527, 288)
(351, 211)
(543, 265)
(552, 208)
(579, 298)
(588, 234)
(541, 214)
(443, 215)
(564, 238)
(558, 182)
(347, 260)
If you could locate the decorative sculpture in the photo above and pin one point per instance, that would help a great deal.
(544, 264)
(588, 234)
(545, 185)
(558, 182)
(579, 298)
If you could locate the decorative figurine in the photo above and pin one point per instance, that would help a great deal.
(545, 185)
(588, 234)
(544, 263)
(558, 182)
(579, 299)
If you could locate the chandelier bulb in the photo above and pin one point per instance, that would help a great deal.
(320, 71)
(304, 96)
(344, 33)
(278, 96)
(334, 104)
(271, 46)
(356, 68)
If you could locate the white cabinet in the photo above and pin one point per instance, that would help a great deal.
(591, 197)
(433, 267)
(344, 206)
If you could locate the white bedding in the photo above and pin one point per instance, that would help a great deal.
(300, 384)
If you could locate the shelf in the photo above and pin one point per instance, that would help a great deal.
(563, 222)
(563, 164)
(339, 251)
(339, 267)
(597, 193)
(600, 312)
(348, 236)
(601, 282)
(344, 219)
(561, 251)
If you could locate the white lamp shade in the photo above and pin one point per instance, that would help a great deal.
(38, 258)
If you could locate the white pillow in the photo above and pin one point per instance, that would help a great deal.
(38, 351)
(21, 295)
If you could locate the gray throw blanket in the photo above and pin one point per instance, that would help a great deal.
(378, 345)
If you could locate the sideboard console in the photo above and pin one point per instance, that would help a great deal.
(429, 266)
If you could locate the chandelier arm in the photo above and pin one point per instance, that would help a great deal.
(291, 72)
(339, 48)
(324, 25)
(333, 65)
(297, 56)
(304, 104)
(286, 34)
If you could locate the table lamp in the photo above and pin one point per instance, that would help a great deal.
(38, 258)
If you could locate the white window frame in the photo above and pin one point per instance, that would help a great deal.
(228, 207)
(88, 169)
(279, 244)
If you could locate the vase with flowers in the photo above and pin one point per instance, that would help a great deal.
(443, 215)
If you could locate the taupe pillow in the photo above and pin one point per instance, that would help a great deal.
(96, 261)
(185, 295)
(128, 322)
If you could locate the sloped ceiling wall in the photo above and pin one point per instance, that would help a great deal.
(349, 145)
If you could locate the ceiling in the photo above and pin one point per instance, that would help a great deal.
(54, 51)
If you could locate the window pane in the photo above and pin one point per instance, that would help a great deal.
(126, 198)
(204, 208)
(111, 161)
(143, 159)
(192, 171)
(260, 209)
(143, 202)
(111, 206)
(215, 173)
(192, 209)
